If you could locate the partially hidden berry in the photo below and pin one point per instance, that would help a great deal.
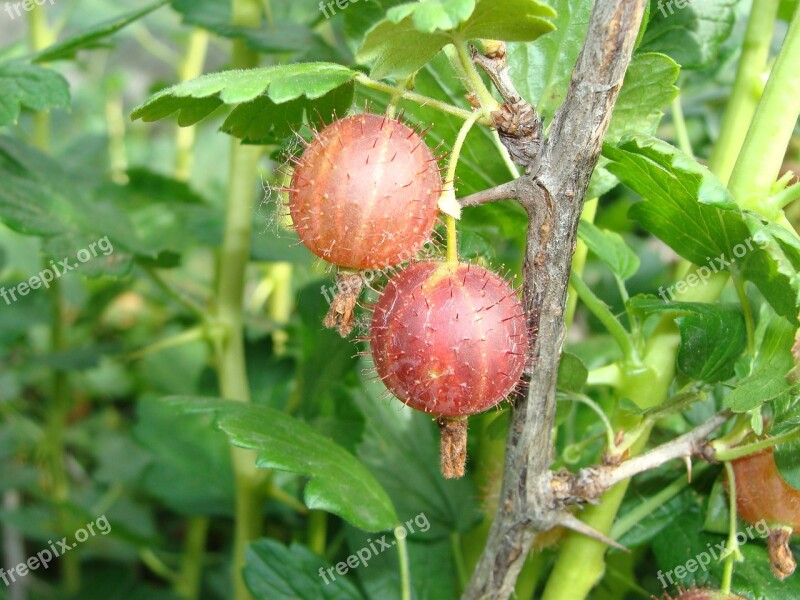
(763, 495)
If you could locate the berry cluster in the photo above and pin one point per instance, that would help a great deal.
(447, 338)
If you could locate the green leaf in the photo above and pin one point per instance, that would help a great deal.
(169, 217)
(190, 469)
(339, 483)
(196, 99)
(433, 15)
(511, 21)
(649, 87)
(712, 336)
(273, 570)
(754, 576)
(774, 266)
(572, 373)
(90, 37)
(681, 540)
(247, 121)
(412, 34)
(38, 197)
(610, 248)
(766, 381)
(684, 204)
(399, 49)
(692, 34)
(32, 87)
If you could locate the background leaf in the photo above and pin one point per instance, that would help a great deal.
(609, 247)
(712, 337)
(283, 573)
(29, 86)
(692, 34)
(339, 482)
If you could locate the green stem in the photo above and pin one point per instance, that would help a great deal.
(679, 123)
(607, 375)
(189, 579)
(184, 301)
(579, 259)
(771, 130)
(600, 310)
(732, 546)
(40, 36)
(785, 197)
(609, 430)
(191, 66)
(458, 559)
(115, 125)
(444, 107)
(474, 82)
(405, 575)
(739, 284)
(233, 260)
(746, 89)
(279, 305)
(624, 524)
(747, 449)
(317, 531)
(504, 154)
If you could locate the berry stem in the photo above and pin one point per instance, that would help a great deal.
(444, 107)
(449, 184)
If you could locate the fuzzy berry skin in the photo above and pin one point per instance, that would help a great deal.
(449, 339)
(761, 492)
(364, 193)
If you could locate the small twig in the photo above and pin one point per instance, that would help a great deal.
(518, 124)
(505, 191)
(592, 482)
